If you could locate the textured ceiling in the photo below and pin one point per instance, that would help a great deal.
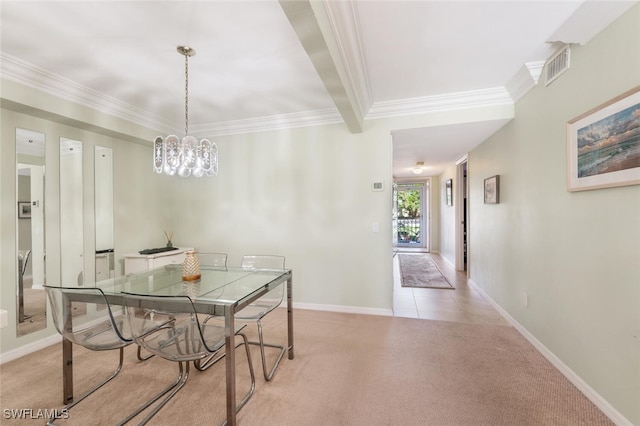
(267, 64)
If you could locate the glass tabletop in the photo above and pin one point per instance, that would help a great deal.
(216, 285)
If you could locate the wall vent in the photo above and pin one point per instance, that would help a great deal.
(556, 65)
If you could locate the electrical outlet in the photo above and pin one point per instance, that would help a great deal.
(525, 300)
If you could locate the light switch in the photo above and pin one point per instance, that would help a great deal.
(375, 227)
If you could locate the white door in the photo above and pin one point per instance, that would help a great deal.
(410, 214)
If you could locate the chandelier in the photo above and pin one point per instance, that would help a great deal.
(186, 157)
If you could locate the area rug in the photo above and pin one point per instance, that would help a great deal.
(419, 270)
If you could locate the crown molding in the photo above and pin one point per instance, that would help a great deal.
(525, 79)
(273, 122)
(19, 71)
(439, 103)
(29, 75)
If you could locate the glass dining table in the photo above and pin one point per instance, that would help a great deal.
(219, 291)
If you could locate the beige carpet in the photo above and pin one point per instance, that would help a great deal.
(348, 370)
(419, 270)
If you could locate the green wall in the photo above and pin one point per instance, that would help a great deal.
(575, 255)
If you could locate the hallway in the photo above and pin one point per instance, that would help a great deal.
(464, 304)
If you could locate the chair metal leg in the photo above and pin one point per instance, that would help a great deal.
(182, 379)
(93, 389)
(246, 398)
(140, 357)
(249, 394)
(152, 400)
(267, 376)
(203, 364)
(183, 375)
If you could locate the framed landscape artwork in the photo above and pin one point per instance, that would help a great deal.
(492, 190)
(603, 145)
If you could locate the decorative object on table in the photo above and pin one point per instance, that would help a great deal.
(191, 266)
(419, 270)
(169, 237)
(187, 157)
(492, 190)
(603, 145)
(449, 187)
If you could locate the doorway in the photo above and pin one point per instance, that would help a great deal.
(461, 216)
(410, 215)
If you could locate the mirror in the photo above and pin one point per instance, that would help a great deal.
(30, 166)
(103, 189)
(71, 214)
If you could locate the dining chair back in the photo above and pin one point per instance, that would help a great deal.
(169, 327)
(218, 260)
(257, 310)
(72, 309)
(262, 262)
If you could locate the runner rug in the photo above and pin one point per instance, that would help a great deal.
(419, 270)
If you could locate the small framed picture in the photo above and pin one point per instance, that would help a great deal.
(449, 190)
(492, 190)
(24, 210)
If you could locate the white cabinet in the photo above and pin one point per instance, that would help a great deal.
(136, 262)
(104, 265)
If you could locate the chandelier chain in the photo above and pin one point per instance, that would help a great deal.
(186, 95)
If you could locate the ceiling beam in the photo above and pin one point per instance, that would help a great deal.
(310, 22)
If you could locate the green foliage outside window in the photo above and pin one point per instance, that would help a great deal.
(409, 216)
(409, 204)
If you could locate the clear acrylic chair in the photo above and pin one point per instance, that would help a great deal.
(218, 260)
(110, 331)
(168, 326)
(261, 307)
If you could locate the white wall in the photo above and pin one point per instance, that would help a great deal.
(576, 255)
(306, 194)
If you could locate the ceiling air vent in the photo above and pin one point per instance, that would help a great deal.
(556, 65)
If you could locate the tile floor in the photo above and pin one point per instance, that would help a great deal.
(464, 304)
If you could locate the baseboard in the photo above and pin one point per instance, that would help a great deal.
(29, 348)
(344, 309)
(604, 406)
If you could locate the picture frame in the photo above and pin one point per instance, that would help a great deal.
(449, 192)
(492, 190)
(603, 145)
(24, 210)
